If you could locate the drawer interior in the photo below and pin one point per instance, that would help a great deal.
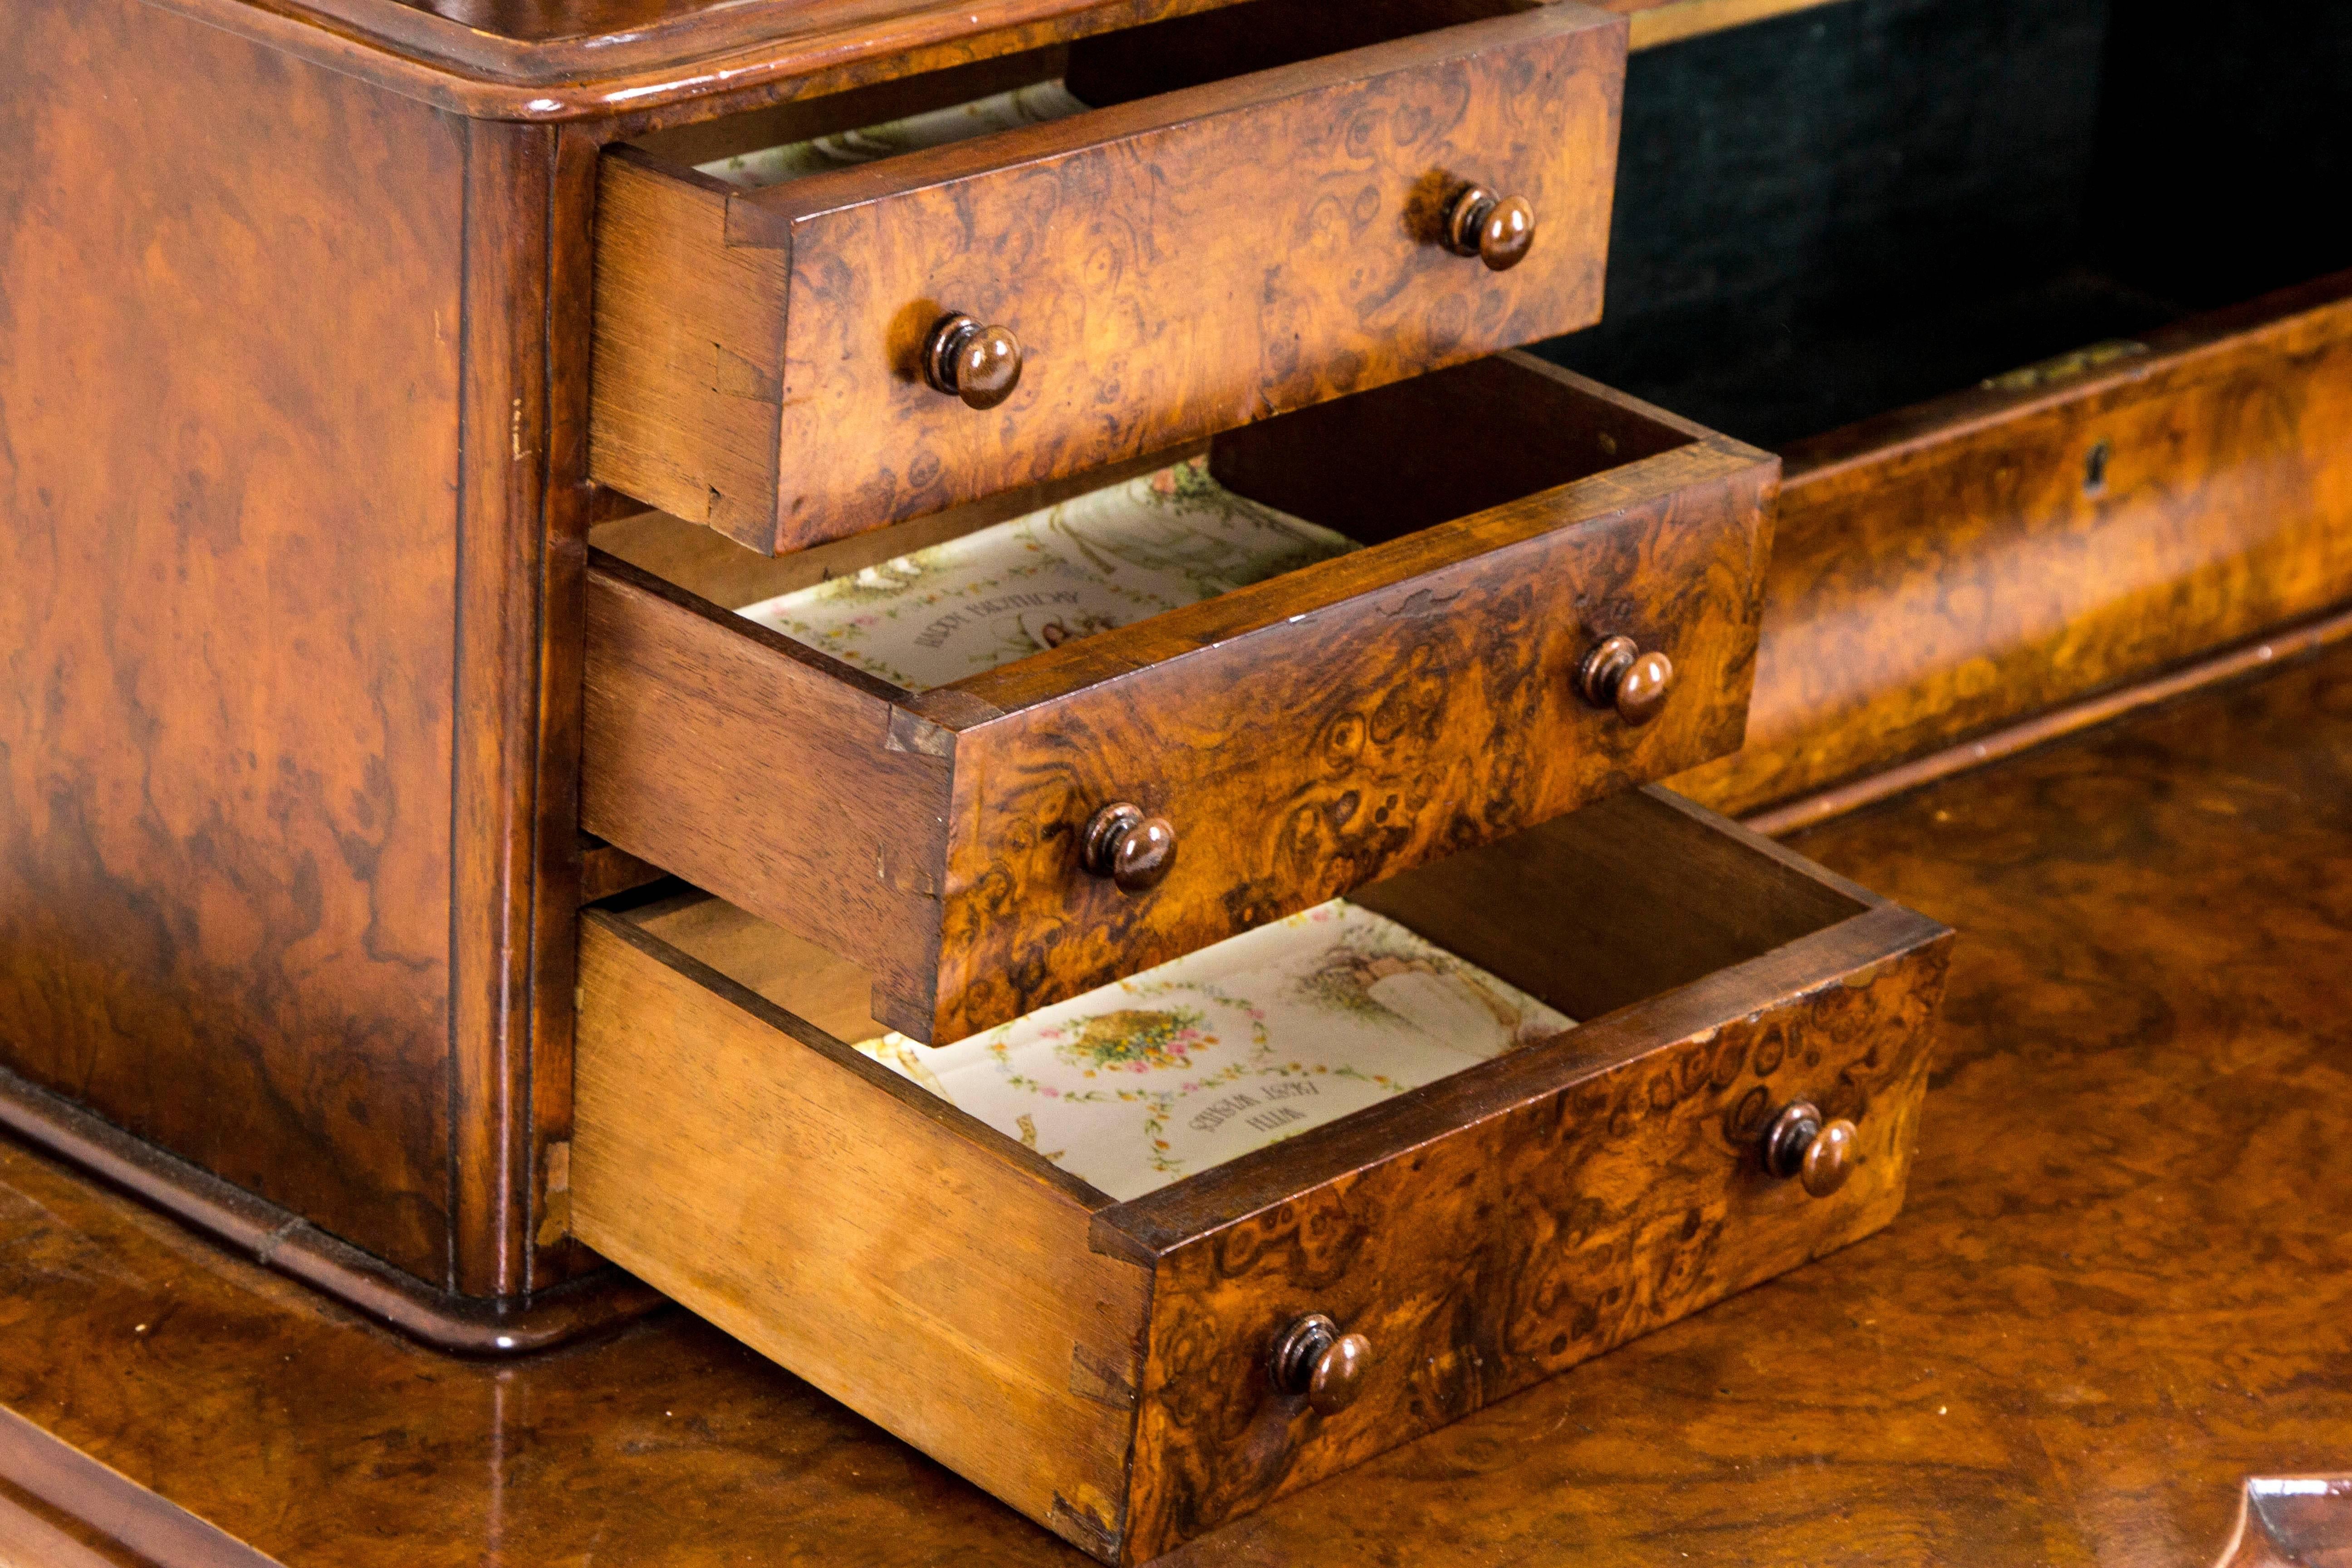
(966, 586)
(1865, 206)
(1578, 920)
(937, 107)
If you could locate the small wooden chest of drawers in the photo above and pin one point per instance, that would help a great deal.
(1551, 599)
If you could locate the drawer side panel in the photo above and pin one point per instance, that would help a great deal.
(874, 1250)
(719, 757)
(689, 342)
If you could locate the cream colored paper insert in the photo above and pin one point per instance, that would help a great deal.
(1029, 105)
(1228, 1049)
(1105, 559)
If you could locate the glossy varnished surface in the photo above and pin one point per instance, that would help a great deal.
(225, 844)
(1103, 1366)
(1173, 263)
(1950, 568)
(564, 59)
(2122, 1281)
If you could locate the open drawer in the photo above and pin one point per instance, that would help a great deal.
(1111, 1368)
(1165, 231)
(1468, 671)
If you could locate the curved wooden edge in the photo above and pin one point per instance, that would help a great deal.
(1811, 810)
(114, 1507)
(291, 1246)
(784, 48)
(752, 54)
(1657, 22)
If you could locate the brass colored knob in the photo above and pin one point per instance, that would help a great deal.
(1133, 850)
(1497, 230)
(1618, 674)
(981, 364)
(1314, 1357)
(1820, 1154)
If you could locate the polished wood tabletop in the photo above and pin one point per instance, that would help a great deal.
(2123, 1283)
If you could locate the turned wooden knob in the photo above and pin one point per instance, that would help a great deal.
(1497, 230)
(1313, 1358)
(1617, 674)
(1133, 850)
(1820, 1154)
(962, 358)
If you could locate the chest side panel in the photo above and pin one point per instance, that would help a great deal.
(228, 448)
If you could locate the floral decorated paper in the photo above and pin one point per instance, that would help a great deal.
(1105, 559)
(1226, 1050)
(934, 128)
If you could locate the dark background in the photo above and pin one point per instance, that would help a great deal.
(1859, 206)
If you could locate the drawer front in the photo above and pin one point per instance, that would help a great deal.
(885, 1247)
(1411, 719)
(1183, 263)
(2055, 534)
(1513, 1243)
(1103, 1366)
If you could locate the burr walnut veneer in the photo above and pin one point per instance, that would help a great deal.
(2062, 1353)
(2050, 536)
(1247, 223)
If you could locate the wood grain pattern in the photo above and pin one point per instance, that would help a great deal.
(264, 1233)
(1631, 1136)
(769, 774)
(1409, 700)
(688, 346)
(1623, 1194)
(496, 760)
(565, 875)
(2231, 664)
(226, 733)
(101, 1507)
(2078, 1339)
(1946, 570)
(876, 1240)
(1173, 265)
(737, 56)
(1411, 719)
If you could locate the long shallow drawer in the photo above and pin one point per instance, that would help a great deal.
(2097, 518)
(1297, 737)
(2082, 443)
(1205, 244)
(1108, 1367)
